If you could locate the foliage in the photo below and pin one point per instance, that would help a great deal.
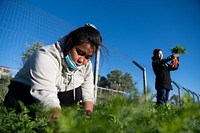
(4, 81)
(23, 122)
(127, 82)
(178, 50)
(115, 79)
(118, 81)
(103, 81)
(127, 115)
(29, 50)
(118, 114)
(174, 99)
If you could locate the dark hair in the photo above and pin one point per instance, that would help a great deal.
(83, 34)
(155, 52)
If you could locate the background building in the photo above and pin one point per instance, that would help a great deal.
(4, 71)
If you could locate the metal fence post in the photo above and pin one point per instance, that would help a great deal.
(179, 92)
(144, 78)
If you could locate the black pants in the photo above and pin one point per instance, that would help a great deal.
(67, 98)
(162, 95)
(20, 92)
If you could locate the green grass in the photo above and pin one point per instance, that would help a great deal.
(118, 114)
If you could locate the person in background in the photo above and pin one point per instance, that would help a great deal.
(59, 74)
(162, 68)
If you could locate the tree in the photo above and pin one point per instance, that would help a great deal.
(127, 82)
(119, 81)
(103, 82)
(29, 50)
(114, 78)
(4, 82)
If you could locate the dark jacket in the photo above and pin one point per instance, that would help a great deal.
(162, 71)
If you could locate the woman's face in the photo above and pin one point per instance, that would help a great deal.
(159, 55)
(82, 53)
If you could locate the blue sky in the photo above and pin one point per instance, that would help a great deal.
(132, 29)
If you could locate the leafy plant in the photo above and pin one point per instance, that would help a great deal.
(121, 115)
(178, 50)
(4, 82)
(29, 50)
(23, 122)
(117, 114)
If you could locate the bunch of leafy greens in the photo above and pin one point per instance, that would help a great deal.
(118, 114)
(178, 50)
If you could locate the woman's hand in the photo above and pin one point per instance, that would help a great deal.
(176, 55)
(88, 108)
(175, 63)
(54, 114)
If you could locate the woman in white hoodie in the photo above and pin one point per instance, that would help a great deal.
(59, 74)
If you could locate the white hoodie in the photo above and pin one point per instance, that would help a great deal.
(47, 73)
